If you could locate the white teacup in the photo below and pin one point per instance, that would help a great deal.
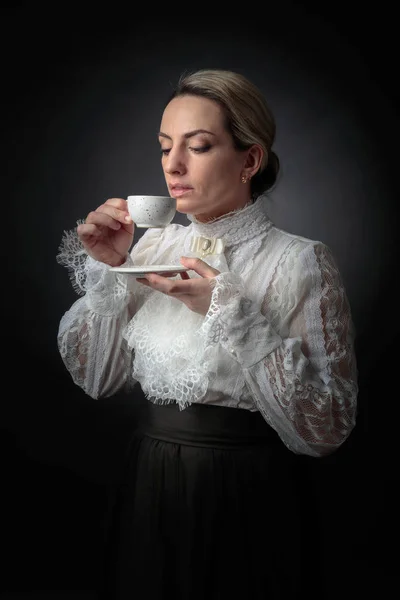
(151, 211)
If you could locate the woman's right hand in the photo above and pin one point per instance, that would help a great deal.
(107, 233)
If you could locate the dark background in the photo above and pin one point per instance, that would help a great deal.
(83, 93)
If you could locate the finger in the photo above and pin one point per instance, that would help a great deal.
(121, 215)
(102, 219)
(146, 281)
(198, 265)
(174, 287)
(143, 280)
(122, 205)
(88, 230)
(167, 274)
(119, 203)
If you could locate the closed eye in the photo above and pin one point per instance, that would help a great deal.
(200, 149)
(195, 149)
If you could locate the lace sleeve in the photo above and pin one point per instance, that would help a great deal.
(93, 350)
(90, 336)
(297, 354)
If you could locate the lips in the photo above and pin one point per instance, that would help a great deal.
(178, 187)
(177, 190)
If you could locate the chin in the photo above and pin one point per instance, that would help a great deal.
(185, 207)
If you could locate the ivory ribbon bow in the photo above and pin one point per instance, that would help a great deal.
(203, 246)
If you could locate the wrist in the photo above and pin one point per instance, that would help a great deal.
(118, 262)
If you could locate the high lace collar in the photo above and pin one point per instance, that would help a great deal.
(235, 227)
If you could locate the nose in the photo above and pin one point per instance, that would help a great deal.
(174, 162)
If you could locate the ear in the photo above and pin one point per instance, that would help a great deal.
(254, 157)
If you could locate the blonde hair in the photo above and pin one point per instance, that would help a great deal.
(248, 116)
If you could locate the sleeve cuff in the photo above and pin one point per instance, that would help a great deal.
(237, 324)
(85, 273)
(107, 292)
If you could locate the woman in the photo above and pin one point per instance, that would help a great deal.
(247, 359)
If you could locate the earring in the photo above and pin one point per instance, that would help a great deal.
(244, 179)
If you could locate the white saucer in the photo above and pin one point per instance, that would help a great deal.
(145, 269)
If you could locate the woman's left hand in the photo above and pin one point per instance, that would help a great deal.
(195, 293)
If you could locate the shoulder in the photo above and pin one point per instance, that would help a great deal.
(293, 239)
(300, 251)
(294, 244)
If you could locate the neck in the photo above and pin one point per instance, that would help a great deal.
(203, 218)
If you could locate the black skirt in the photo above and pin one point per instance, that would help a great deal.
(207, 510)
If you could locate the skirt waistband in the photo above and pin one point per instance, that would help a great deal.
(207, 425)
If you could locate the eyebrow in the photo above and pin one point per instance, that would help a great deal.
(187, 135)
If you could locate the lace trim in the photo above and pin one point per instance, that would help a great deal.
(72, 255)
(171, 361)
(238, 226)
(226, 288)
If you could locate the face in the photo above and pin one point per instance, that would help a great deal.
(202, 169)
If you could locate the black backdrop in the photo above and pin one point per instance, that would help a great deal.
(82, 97)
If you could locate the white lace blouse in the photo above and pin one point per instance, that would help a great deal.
(278, 336)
